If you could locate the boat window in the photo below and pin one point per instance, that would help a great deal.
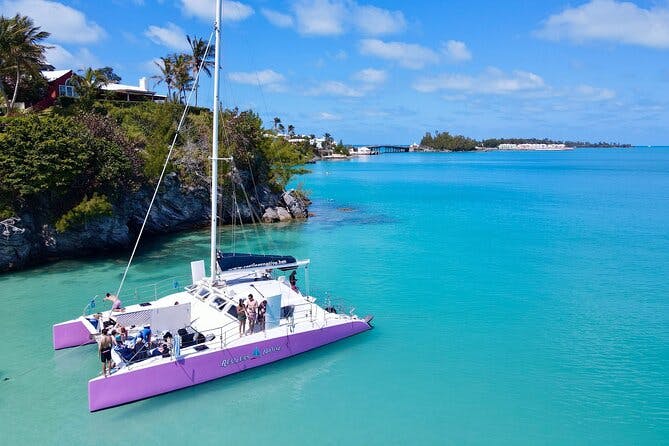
(218, 303)
(232, 311)
(203, 293)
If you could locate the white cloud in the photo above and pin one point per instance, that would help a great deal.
(590, 93)
(492, 81)
(408, 55)
(268, 78)
(278, 19)
(335, 17)
(376, 21)
(456, 51)
(326, 116)
(171, 36)
(65, 24)
(205, 9)
(335, 88)
(61, 58)
(371, 76)
(612, 21)
(320, 17)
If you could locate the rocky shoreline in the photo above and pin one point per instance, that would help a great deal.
(177, 208)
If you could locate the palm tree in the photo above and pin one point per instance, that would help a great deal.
(21, 53)
(183, 81)
(277, 121)
(166, 74)
(88, 86)
(200, 55)
(291, 130)
(281, 128)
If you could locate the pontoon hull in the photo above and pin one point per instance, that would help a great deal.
(71, 334)
(146, 382)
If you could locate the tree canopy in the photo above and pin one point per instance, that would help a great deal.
(21, 55)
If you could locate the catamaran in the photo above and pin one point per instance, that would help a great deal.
(172, 340)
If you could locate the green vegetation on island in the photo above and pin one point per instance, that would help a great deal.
(444, 141)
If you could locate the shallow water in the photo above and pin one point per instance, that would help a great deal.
(520, 298)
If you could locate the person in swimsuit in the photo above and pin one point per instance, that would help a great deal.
(252, 312)
(241, 317)
(105, 347)
(117, 305)
(262, 309)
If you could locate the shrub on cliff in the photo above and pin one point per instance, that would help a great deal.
(88, 209)
(49, 162)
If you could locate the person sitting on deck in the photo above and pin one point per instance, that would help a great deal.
(252, 312)
(117, 305)
(123, 332)
(145, 334)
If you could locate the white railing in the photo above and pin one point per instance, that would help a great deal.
(155, 290)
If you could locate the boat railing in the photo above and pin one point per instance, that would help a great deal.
(156, 290)
(229, 332)
(334, 305)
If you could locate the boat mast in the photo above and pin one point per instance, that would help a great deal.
(214, 149)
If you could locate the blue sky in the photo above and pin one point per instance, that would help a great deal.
(387, 71)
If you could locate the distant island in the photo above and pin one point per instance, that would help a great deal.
(444, 141)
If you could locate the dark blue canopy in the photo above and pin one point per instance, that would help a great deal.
(228, 260)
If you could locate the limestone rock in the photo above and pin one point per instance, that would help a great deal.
(284, 214)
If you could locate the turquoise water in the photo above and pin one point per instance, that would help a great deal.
(520, 298)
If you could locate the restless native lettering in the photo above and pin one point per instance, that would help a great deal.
(256, 353)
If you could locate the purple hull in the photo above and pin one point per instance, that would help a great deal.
(150, 381)
(71, 334)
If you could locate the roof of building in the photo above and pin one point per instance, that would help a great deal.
(52, 75)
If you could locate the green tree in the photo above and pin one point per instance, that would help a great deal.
(166, 75)
(21, 51)
(291, 130)
(88, 85)
(183, 81)
(200, 55)
(108, 73)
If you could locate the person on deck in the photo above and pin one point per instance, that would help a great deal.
(117, 305)
(293, 281)
(105, 348)
(241, 317)
(252, 312)
(262, 309)
(145, 335)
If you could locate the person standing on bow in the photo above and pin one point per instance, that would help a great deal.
(252, 312)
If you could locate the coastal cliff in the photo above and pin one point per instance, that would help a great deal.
(81, 181)
(177, 208)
